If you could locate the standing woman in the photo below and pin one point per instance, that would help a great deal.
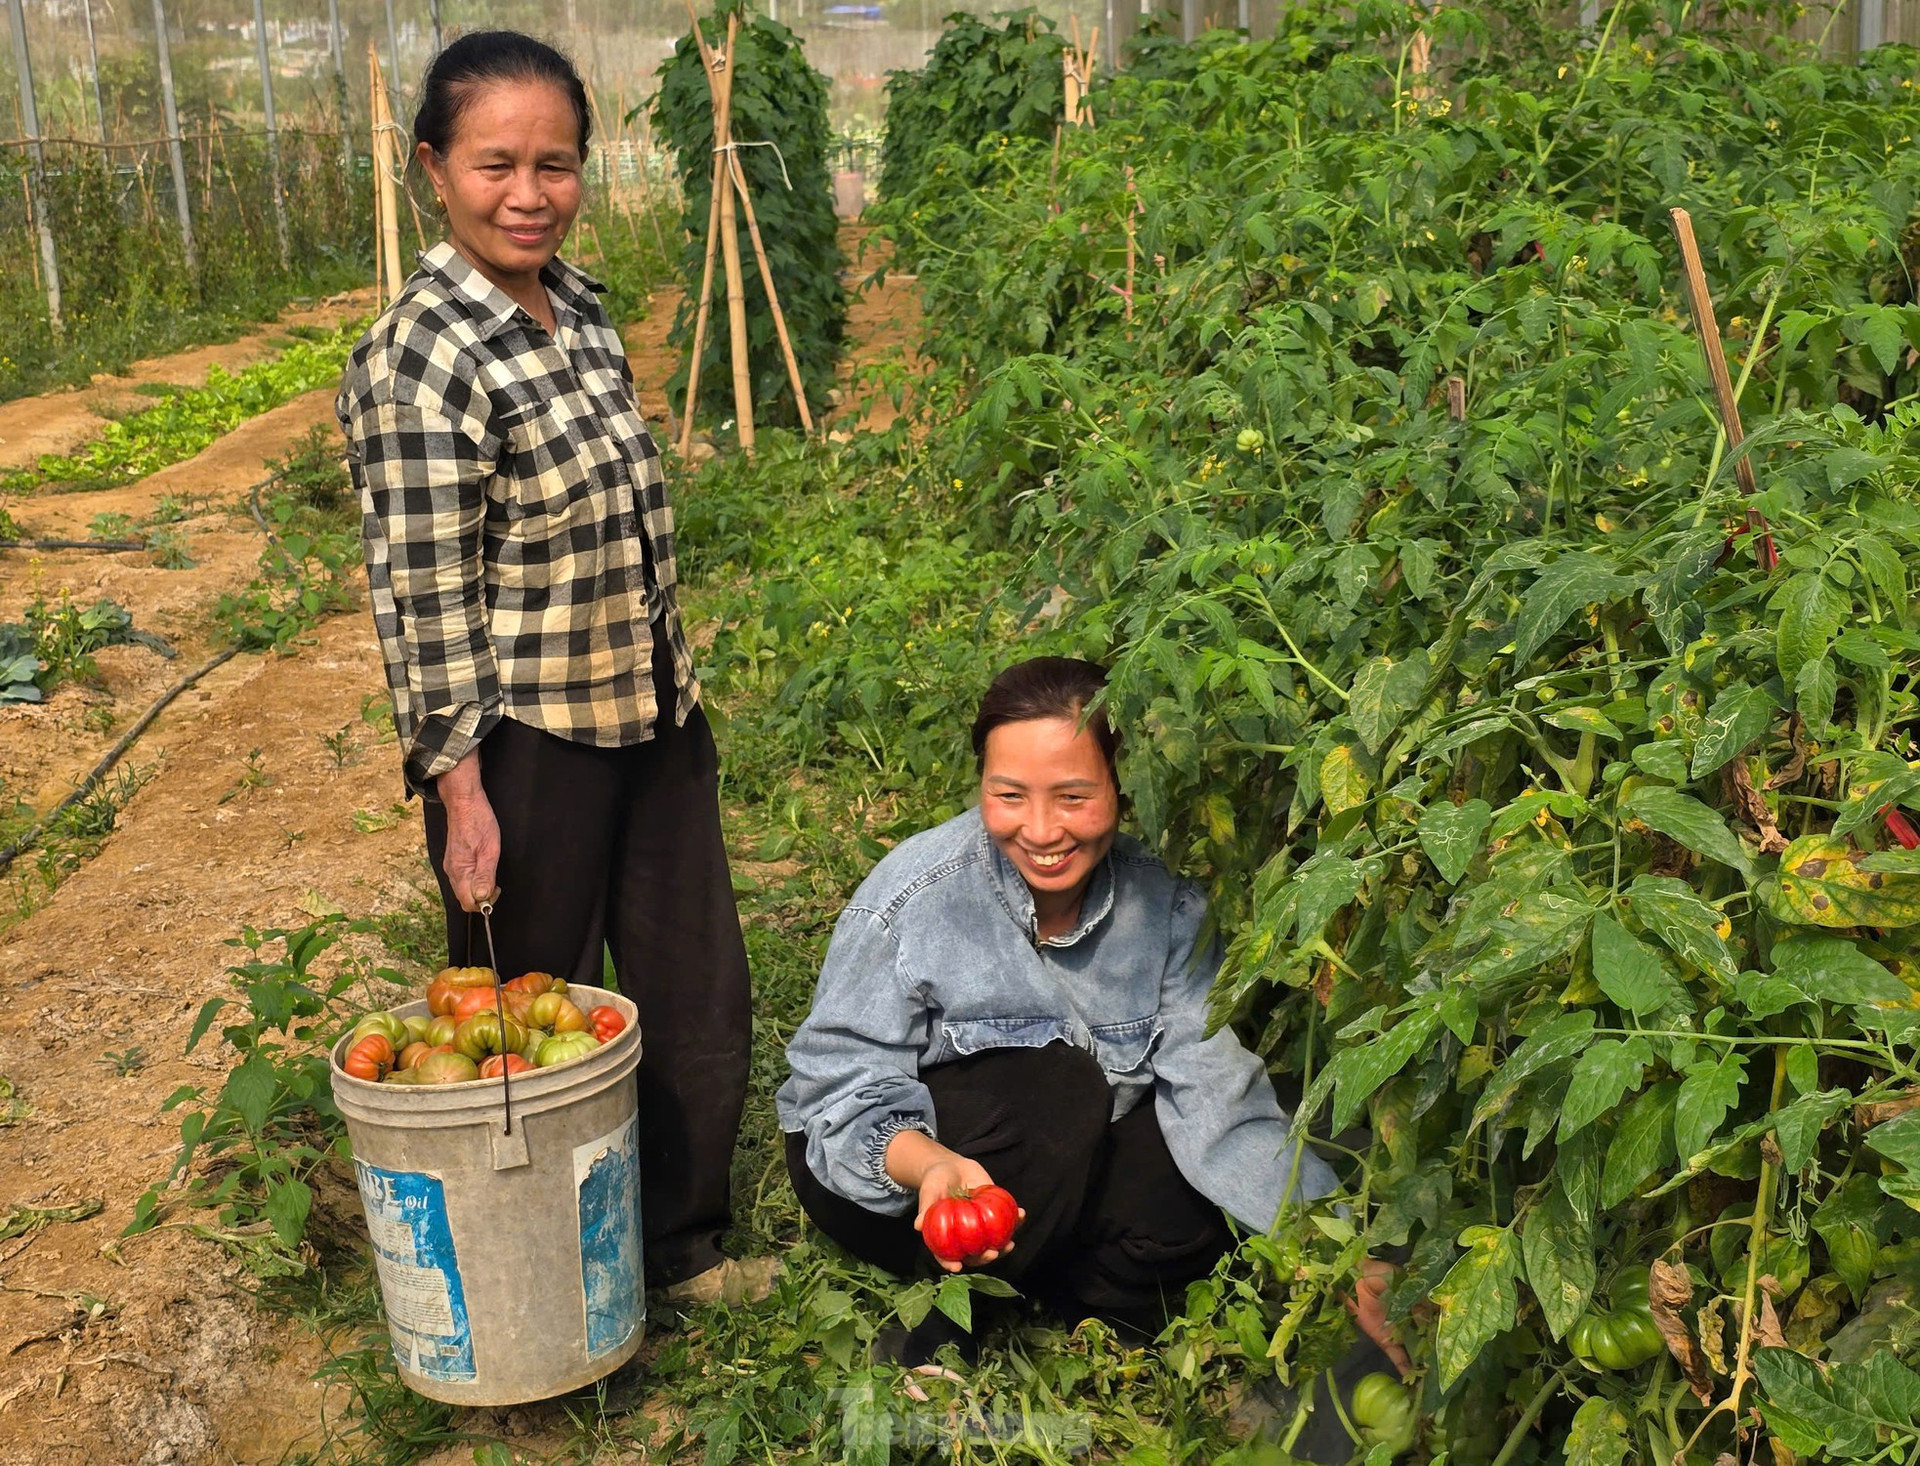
(520, 557)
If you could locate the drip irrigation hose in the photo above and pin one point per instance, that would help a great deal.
(113, 755)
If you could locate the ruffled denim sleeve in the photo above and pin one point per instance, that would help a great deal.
(855, 1063)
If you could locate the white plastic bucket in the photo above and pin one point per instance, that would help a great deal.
(509, 1262)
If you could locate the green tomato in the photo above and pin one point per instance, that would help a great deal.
(1623, 1336)
(1250, 440)
(485, 1034)
(565, 1046)
(1385, 1412)
(395, 1029)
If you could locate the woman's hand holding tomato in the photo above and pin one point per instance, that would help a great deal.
(949, 1217)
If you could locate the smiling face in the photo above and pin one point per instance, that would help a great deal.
(510, 179)
(1048, 800)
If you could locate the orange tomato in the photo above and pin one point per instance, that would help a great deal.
(606, 1021)
(370, 1057)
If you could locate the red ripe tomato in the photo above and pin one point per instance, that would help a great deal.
(500, 1064)
(370, 1057)
(959, 1228)
(469, 1001)
(606, 1021)
(999, 1214)
(531, 983)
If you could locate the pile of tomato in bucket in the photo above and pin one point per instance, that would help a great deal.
(478, 1028)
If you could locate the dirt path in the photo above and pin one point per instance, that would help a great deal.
(59, 422)
(150, 1352)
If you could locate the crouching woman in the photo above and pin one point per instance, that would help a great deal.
(1018, 997)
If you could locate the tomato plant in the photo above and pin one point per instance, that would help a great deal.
(1362, 429)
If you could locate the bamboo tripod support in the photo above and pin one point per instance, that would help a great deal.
(729, 183)
(386, 204)
(1707, 326)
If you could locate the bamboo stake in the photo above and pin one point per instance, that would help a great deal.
(1707, 327)
(706, 294)
(386, 205)
(720, 222)
(773, 296)
(730, 251)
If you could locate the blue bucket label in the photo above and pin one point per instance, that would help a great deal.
(419, 1275)
(607, 1173)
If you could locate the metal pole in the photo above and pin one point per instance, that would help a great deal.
(37, 166)
(274, 177)
(337, 46)
(1869, 24)
(433, 14)
(170, 115)
(93, 57)
(393, 63)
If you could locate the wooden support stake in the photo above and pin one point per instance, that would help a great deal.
(721, 220)
(730, 251)
(773, 295)
(1707, 326)
(706, 272)
(386, 210)
(276, 180)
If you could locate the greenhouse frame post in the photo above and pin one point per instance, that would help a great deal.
(93, 71)
(275, 180)
(176, 157)
(37, 167)
(1869, 24)
(433, 17)
(393, 63)
(336, 46)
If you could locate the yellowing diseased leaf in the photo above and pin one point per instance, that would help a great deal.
(1343, 783)
(1822, 884)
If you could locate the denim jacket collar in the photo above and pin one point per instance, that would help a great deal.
(1017, 898)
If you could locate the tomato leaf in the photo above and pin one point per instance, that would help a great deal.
(1642, 1143)
(1738, 716)
(1572, 581)
(1598, 1436)
(1710, 1089)
(1558, 1248)
(1357, 1072)
(1605, 1072)
(1821, 883)
(1807, 611)
(1558, 1040)
(1384, 691)
(1631, 973)
(1476, 1300)
(1671, 910)
(1450, 834)
(1687, 820)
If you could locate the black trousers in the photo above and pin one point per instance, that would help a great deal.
(1112, 1226)
(622, 847)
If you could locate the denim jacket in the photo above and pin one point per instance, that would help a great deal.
(939, 956)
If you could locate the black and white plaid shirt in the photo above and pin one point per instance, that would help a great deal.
(517, 530)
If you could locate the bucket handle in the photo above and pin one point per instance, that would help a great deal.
(500, 1010)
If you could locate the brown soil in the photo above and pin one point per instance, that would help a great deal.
(150, 1351)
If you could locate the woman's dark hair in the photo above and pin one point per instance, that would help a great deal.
(1046, 687)
(479, 58)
